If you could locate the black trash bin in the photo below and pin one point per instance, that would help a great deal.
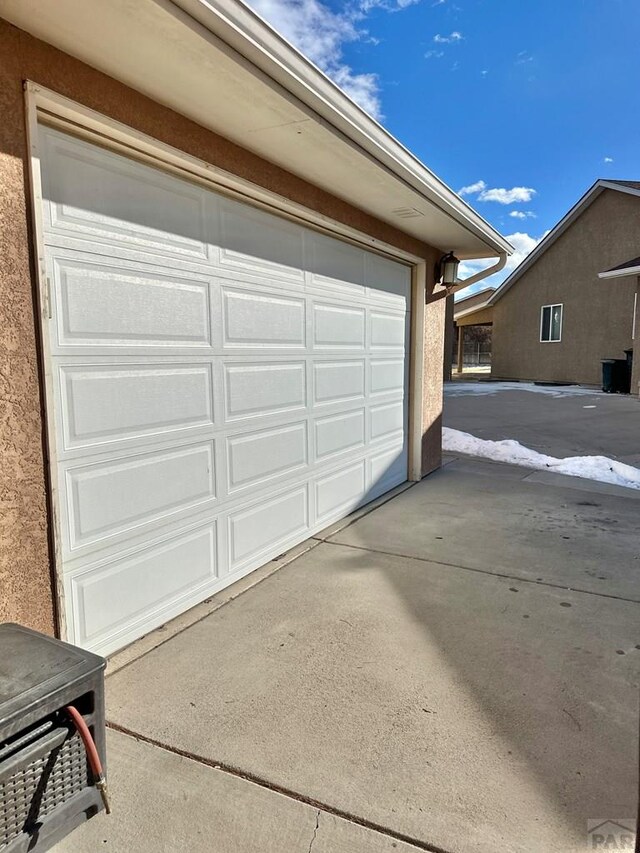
(621, 378)
(629, 355)
(607, 375)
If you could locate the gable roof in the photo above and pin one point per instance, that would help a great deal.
(602, 184)
(631, 267)
(461, 310)
(487, 290)
(633, 184)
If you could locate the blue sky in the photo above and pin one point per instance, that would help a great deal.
(524, 102)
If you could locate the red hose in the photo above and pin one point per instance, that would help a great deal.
(92, 754)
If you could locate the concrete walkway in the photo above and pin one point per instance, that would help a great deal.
(456, 671)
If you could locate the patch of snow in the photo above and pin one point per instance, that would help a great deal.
(460, 389)
(599, 468)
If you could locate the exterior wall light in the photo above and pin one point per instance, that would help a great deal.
(447, 269)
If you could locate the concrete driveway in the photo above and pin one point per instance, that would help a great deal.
(557, 421)
(456, 670)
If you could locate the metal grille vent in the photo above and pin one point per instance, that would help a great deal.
(407, 212)
(38, 788)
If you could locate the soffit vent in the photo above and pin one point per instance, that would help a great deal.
(407, 212)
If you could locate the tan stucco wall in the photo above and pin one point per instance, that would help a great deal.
(449, 338)
(597, 318)
(635, 373)
(477, 318)
(25, 563)
(432, 401)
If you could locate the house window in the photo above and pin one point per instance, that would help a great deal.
(551, 323)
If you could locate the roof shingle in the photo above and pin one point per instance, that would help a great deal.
(634, 262)
(633, 184)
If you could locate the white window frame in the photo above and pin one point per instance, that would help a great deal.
(553, 305)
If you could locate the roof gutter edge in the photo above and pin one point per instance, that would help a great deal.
(630, 271)
(286, 65)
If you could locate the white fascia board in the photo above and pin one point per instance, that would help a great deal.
(247, 33)
(612, 185)
(620, 273)
(473, 295)
(592, 193)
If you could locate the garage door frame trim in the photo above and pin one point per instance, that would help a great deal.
(46, 106)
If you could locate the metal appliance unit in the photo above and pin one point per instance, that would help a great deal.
(47, 785)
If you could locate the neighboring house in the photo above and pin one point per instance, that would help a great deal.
(221, 329)
(472, 330)
(554, 318)
(629, 272)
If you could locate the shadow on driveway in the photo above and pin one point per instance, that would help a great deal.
(419, 676)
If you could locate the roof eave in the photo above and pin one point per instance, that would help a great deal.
(474, 310)
(248, 33)
(623, 273)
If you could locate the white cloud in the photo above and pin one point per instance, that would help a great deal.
(320, 34)
(523, 57)
(522, 214)
(522, 243)
(434, 54)
(608, 159)
(504, 196)
(451, 39)
(472, 189)
(364, 6)
(499, 194)
(362, 88)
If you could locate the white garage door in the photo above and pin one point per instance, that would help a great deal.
(224, 383)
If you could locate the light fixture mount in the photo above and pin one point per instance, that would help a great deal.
(446, 270)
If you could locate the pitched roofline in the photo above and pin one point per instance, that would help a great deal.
(620, 273)
(588, 198)
(237, 24)
(477, 293)
(458, 315)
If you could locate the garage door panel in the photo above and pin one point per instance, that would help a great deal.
(105, 197)
(386, 421)
(265, 455)
(387, 376)
(387, 331)
(127, 493)
(387, 281)
(335, 266)
(221, 390)
(258, 242)
(266, 528)
(387, 469)
(255, 389)
(262, 320)
(109, 306)
(106, 403)
(337, 434)
(338, 327)
(338, 381)
(339, 492)
(159, 582)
